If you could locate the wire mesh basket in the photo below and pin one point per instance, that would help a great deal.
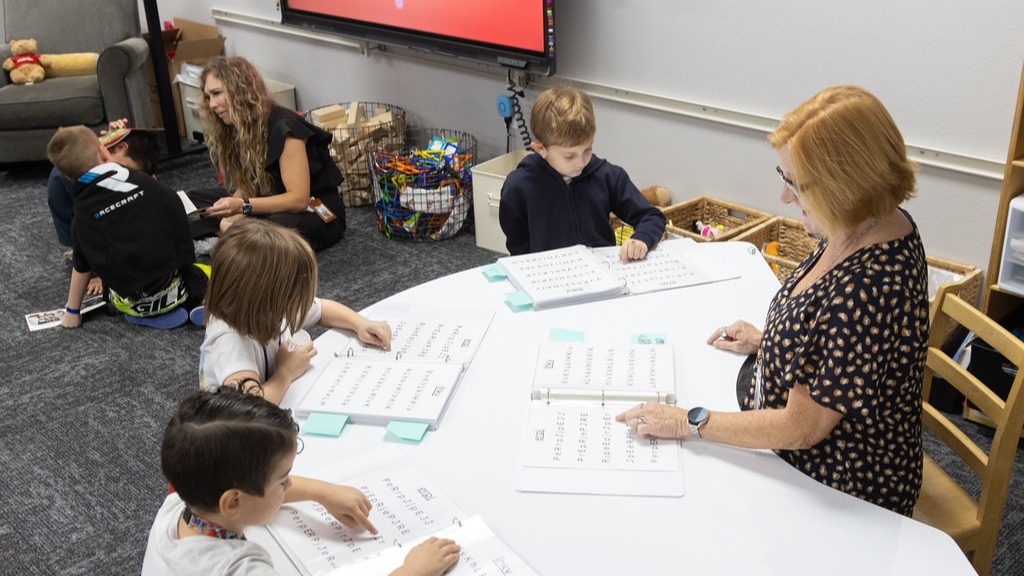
(424, 192)
(357, 127)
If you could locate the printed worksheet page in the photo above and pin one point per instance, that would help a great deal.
(378, 390)
(483, 554)
(570, 435)
(424, 333)
(561, 277)
(589, 367)
(406, 507)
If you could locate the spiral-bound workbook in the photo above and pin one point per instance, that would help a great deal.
(407, 508)
(573, 442)
(413, 382)
(580, 274)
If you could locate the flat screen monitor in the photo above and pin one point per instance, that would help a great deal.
(518, 34)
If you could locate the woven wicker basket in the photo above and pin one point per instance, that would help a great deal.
(795, 244)
(969, 285)
(735, 218)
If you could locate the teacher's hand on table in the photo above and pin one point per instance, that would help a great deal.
(740, 336)
(632, 250)
(348, 505)
(656, 419)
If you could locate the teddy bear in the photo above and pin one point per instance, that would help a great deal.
(657, 195)
(24, 66)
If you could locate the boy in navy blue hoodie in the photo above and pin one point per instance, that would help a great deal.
(563, 194)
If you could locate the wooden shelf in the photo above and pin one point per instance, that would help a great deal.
(999, 302)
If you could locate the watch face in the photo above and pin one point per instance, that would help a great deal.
(697, 415)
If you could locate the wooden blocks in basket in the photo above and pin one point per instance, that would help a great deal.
(735, 218)
(356, 127)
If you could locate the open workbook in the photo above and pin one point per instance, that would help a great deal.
(413, 382)
(573, 442)
(407, 509)
(579, 274)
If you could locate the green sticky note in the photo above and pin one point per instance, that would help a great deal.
(494, 272)
(324, 424)
(649, 338)
(518, 301)
(563, 335)
(407, 431)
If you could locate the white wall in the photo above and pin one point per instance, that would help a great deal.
(948, 71)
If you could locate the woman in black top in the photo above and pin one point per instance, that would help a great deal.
(273, 163)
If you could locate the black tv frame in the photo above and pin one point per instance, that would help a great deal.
(540, 63)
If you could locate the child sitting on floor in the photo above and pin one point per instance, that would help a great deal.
(130, 230)
(262, 292)
(229, 457)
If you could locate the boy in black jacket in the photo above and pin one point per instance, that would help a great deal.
(562, 195)
(129, 229)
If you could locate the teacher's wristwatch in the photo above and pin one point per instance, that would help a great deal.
(697, 417)
(246, 206)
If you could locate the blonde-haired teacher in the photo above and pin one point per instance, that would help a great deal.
(275, 165)
(836, 385)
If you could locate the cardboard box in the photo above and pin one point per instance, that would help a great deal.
(187, 41)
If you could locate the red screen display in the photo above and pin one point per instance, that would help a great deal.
(518, 24)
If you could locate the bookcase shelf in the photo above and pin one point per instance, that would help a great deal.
(1005, 276)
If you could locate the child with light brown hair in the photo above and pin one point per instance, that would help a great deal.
(563, 194)
(262, 293)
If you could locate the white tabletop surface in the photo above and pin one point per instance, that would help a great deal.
(743, 512)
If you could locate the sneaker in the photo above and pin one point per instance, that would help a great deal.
(164, 321)
(198, 315)
(69, 255)
(204, 246)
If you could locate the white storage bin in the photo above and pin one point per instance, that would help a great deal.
(488, 179)
(1011, 272)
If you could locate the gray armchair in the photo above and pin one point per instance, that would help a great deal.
(29, 114)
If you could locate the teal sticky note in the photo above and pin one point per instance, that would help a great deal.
(563, 335)
(323, 424)
(649, 338)
(407, 431)
(518, 300)
(494, 272)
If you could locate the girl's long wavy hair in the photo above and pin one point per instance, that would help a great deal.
(239, 149)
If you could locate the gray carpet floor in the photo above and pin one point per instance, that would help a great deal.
(82, 412)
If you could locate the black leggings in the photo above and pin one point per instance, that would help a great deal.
(319, 234)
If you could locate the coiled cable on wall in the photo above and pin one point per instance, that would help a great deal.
(517, 111)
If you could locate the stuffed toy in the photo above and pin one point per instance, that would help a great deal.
(24, 66)
(657, 195)
(27, 66)
(71, 64)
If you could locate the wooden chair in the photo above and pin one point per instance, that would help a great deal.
(943, 503)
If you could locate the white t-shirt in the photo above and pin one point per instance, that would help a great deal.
(166, 554)
(225, 351)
